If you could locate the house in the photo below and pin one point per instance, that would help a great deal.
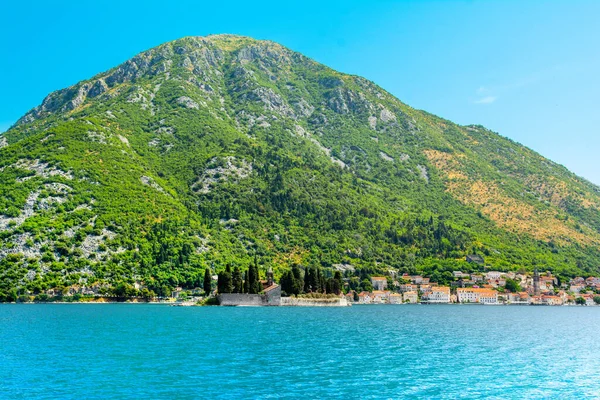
(176, 292)
(425, 289)
(536, 300)
(589, 299)
(577, 281)
(477, 277)
(521, 278)
(493, 275)
(416, 279)
(380, 296)
(407, 287)
(411, 297)
(379, 282)
(463, 283)
(510, 275)
(497, 282)
(519, 298)
(396, 298)
(488, 296)
(592, 281)
(460, 274)
(547, 283)
(552, 300)
(576, 288)
(437, 294)
(477, 295)
(350, 296)
(475, 259)
(364, 298)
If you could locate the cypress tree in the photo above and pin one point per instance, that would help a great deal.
(207, 282)
(329, 286)
(238, 282)
(321, 281)
(336, 286)
(287, 282)
(225, 284)
(307, 280)
(297, 281)
(220, 282)
(247, 281)
(314, 280)
(257, 285)
(251, 280)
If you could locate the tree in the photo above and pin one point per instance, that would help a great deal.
(336, 284)
(238, 282)
(597, 299)
(512, 285)
(253, 279)
(580, 301)
(224, 282)
(246, 288)
(287, 282)
(207, 282)
(307, 279)
(367, 286)
(298, 282)
(257, 285)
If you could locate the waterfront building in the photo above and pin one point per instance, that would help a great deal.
(396, 298)
(477, 295)
(411, 297)
(365, 298)
(437, 294)
(380, 296)
(552, 300)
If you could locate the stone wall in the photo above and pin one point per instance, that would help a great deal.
(271, 297)
(305, 302)
(240, 299)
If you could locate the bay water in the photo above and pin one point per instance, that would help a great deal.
(137, 351)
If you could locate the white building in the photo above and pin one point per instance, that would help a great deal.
(476, 295)
(437, 294)
(493, 275)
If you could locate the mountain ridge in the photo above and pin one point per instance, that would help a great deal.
(205, 151)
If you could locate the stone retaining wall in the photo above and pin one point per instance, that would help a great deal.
(307, 302)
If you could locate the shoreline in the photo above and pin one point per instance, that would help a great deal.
(315, 305)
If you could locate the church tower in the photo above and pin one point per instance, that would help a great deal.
(536, 282)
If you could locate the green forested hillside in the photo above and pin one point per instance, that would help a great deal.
(208, 151)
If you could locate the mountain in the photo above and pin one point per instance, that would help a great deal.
(212, 150)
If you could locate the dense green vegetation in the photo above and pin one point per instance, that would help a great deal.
(223, 155)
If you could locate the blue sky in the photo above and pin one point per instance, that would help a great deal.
(525, 69)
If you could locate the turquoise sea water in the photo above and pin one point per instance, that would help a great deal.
(119, 351)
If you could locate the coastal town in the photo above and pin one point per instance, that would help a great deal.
(489, 288)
